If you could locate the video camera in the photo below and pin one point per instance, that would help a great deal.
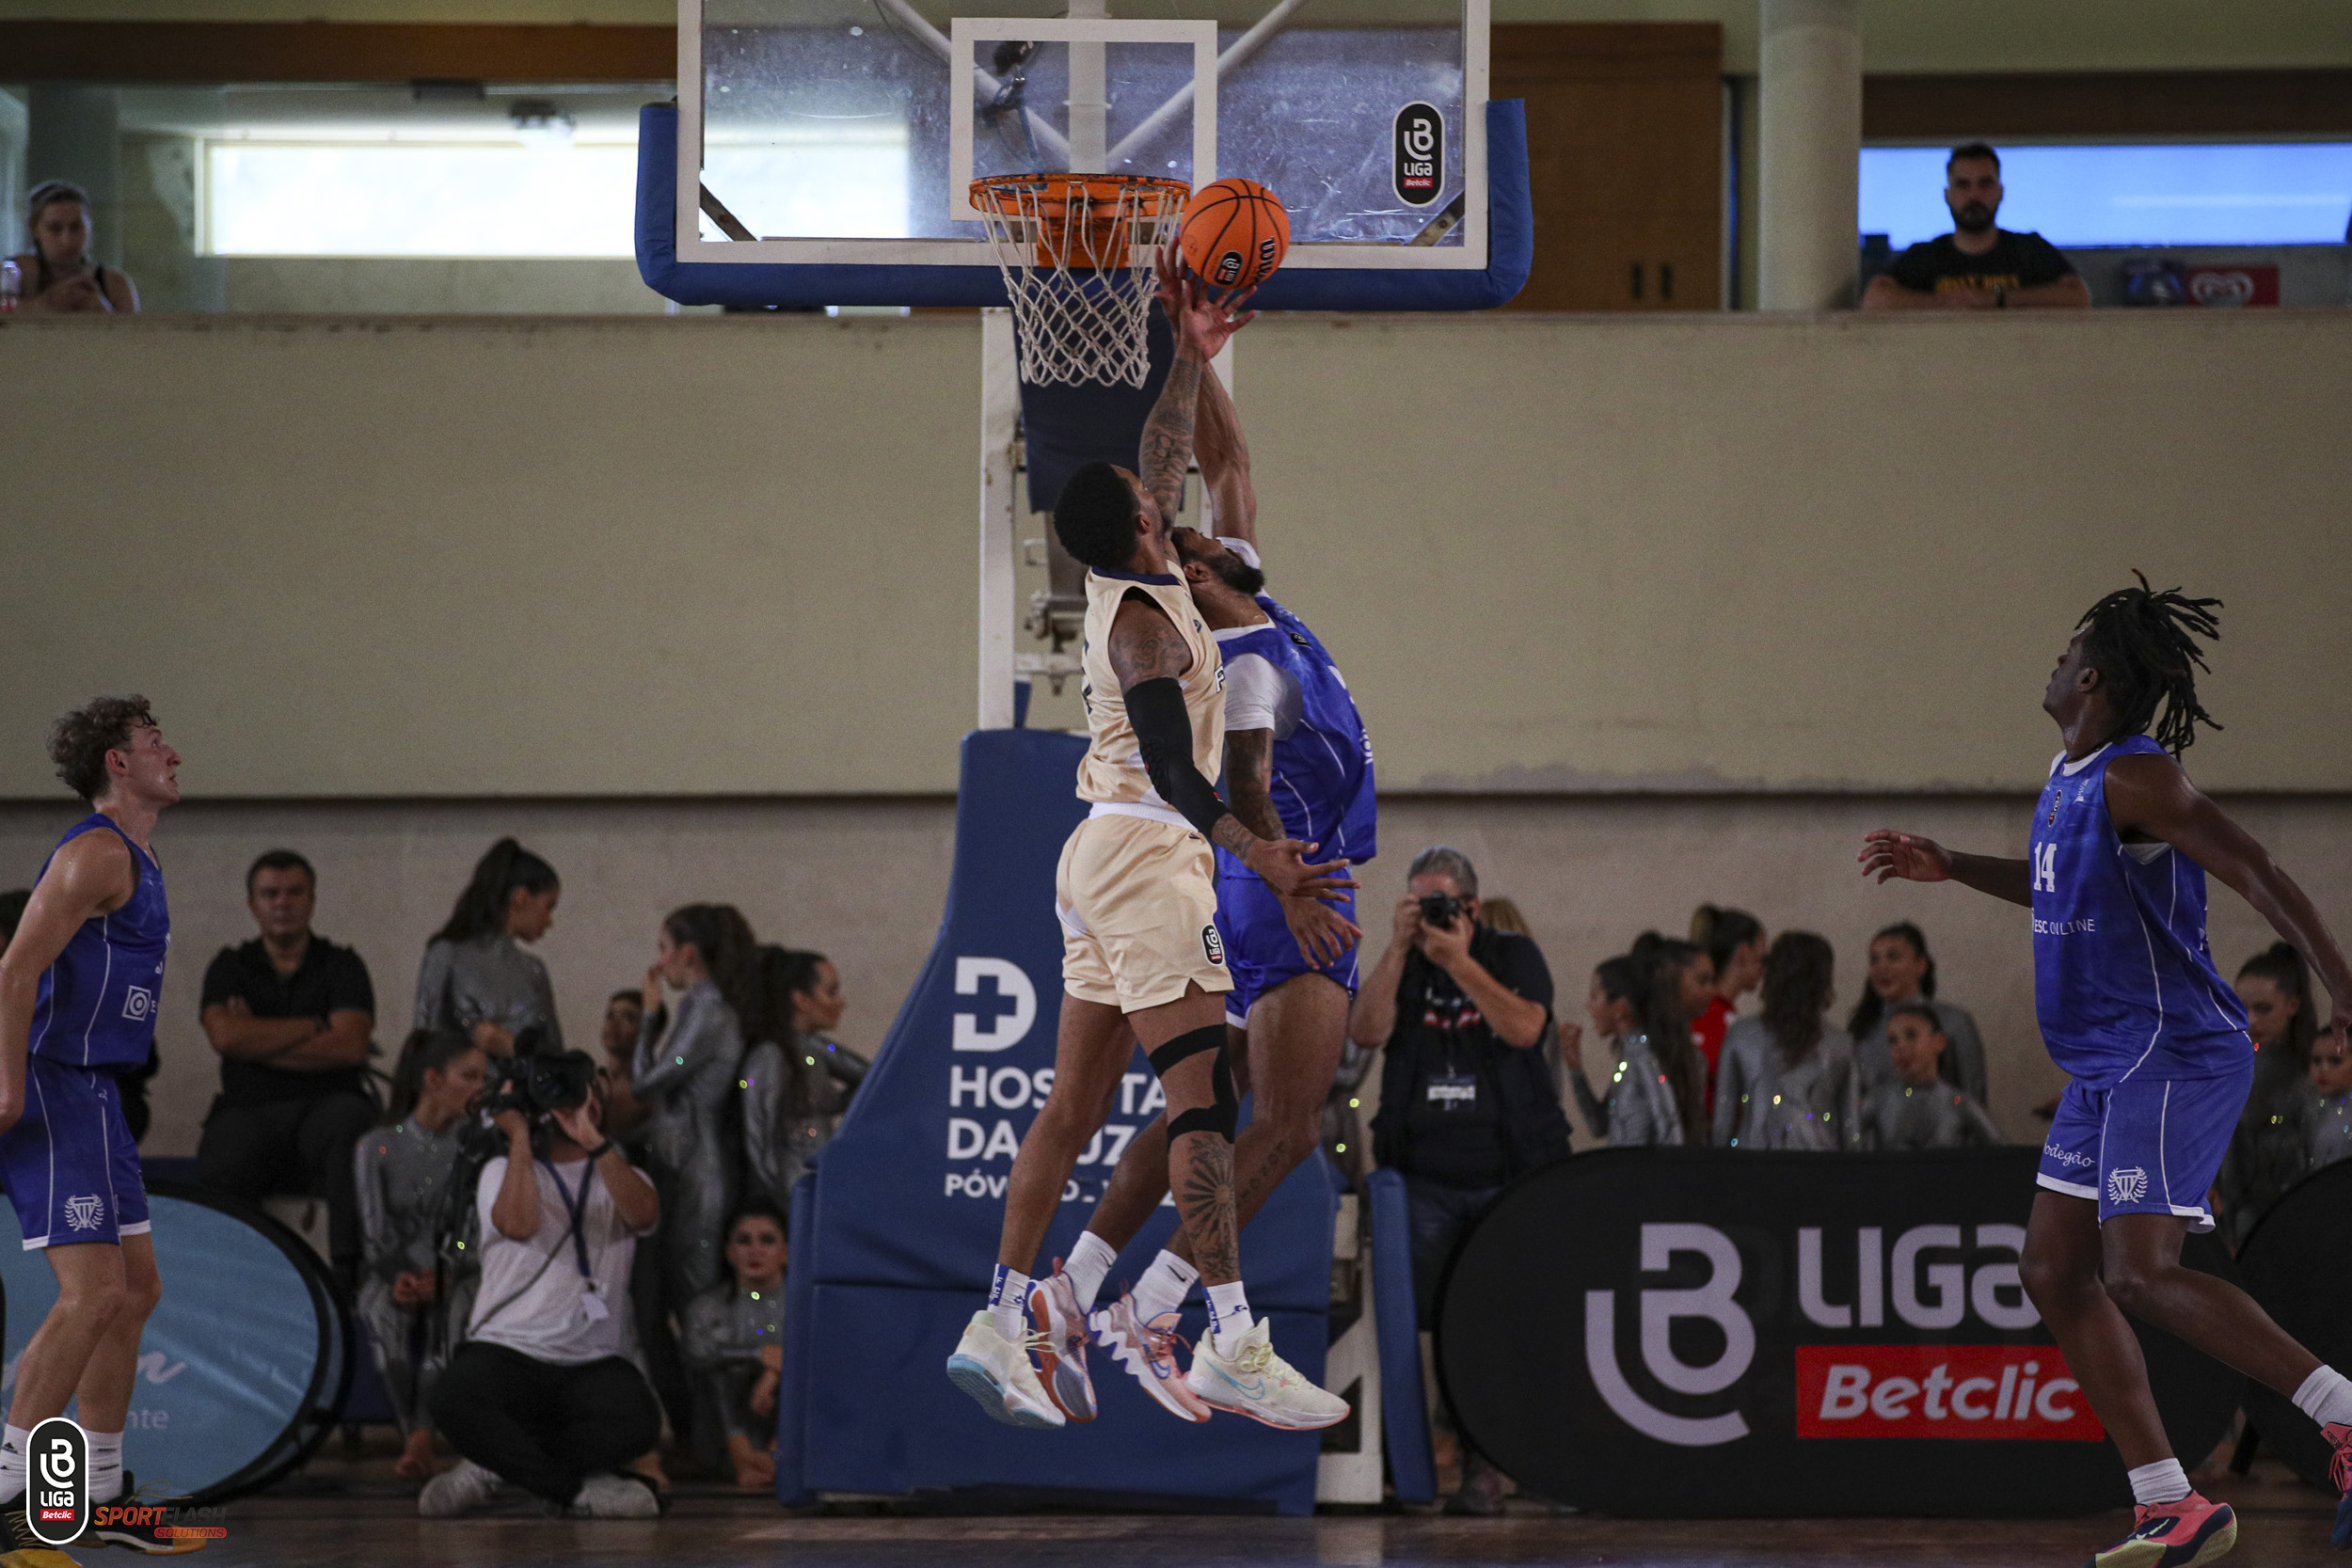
(536, 1080)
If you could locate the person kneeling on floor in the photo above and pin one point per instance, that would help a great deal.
(542, 1394)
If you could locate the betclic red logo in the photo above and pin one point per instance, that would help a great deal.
(1989, 1391)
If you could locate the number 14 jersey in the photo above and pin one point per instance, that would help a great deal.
(2124, 985)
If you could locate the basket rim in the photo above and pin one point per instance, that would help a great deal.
(1061, 187)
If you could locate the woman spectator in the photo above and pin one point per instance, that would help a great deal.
(476, 980)
(1902, 971)
(2270, 1151)
(1609, 1003)
(798, 1081)
(2328, 1106)
(1788, 1076)
(684, 1077)
(734, 1336)
(1733, 941)
(58, 274)
(407, 1299)
(1658, 1092)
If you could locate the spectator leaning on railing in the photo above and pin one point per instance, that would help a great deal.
(1467, 1102)
(57, 275)
(1978, 266)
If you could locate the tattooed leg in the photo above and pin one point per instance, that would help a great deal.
(1200, 1172)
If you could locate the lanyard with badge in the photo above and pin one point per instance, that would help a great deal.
(1450, 1090)
(590, 1293)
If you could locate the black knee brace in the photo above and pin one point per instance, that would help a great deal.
(1220, 1116)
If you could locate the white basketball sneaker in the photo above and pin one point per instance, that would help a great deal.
(996, 1371)
(1146, 1353)
(1256, 1382)
(1054, 1313)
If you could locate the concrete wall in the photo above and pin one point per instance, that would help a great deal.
(383, 557)
(865, 882)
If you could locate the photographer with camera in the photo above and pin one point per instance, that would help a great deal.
(542, 1393)
(1467, 1102)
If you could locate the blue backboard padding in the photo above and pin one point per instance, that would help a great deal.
(1404, 1412)
(894, 1237)
(1510, 250)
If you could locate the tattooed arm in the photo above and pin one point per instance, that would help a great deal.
(1203, 321)
(1149, 657)
(1323, 933)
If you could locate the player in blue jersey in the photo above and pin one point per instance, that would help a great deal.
(78, 988)
(2155, 1043)
(1298, 765)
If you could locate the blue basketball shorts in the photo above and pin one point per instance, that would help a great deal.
(70, 1165)
(1260, 951)
(2148, 1146)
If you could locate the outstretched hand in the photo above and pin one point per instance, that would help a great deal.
(1198, 313)
(1887, 854)
(1324, 935)
(1282, 861)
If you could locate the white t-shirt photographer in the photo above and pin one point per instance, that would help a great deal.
(532, 1297)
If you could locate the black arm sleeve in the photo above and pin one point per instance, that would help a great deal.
(1156, 711)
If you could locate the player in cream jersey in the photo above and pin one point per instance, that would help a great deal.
(1141, 959)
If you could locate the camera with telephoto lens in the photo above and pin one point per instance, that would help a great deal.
(536, 1080)
(1440, 909)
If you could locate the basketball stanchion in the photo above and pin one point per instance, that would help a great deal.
(1077, 251)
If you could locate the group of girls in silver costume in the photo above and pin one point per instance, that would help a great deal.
(724, 1130)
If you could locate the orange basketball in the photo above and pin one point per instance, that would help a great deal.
(1235, 233)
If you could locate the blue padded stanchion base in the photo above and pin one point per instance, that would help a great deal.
(894, 1237)
(1403, 1409)
(1510, 250)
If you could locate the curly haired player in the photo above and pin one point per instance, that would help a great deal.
(2155, 1043)
(78, 987)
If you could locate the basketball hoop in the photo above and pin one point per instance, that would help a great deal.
(1077, 251)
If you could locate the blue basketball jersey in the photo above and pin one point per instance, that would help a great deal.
(96, 1004)
(1322, 782)
(2123, 984)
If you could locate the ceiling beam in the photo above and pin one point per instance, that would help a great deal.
(133, 52)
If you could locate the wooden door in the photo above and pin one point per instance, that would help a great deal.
(1626, 160)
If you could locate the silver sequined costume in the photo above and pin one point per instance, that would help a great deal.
(1934, 1116)
(1763, 1101)
(490, 979)
(1642, 1108)
(726, 1327)
(777, 1148)
(687, 1081)
(404, 1173)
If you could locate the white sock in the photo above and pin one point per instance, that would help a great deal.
(1090, 1260)
(2164, 1482)
(2326, 1397)
(1009, 1304)
(106, 1466)
(12, 1446)
(1164, 1286)
(1229, 1315)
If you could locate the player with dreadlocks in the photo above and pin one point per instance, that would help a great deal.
(2154, 1041)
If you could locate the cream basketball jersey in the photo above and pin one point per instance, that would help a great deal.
(1112, 771)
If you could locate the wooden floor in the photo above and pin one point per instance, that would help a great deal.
(327, 1521)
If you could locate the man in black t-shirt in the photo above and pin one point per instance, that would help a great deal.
(1467, 1100)
(1976, 266)
(292, 1016)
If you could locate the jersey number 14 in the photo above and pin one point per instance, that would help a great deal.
(2044, 863)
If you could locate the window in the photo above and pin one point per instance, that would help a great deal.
(2251, 193)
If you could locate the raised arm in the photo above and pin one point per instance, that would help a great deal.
(90, 875)
(1887, 854)
(1149, 657)
(1224, 454)
(2151, 796)
(1202, 320)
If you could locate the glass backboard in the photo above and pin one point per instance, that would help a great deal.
(847, 131)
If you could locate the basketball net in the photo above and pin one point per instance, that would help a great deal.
(1076, 252)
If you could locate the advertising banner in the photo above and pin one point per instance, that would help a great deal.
(1710, 1332)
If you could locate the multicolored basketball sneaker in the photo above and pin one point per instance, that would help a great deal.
(2339, 1435)
(1256, 1382)
(1146, 1353)
(996, 1371)
(2184, 1534)
(1061, 1344)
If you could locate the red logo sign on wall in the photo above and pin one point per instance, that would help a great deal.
(2006, 1391)
(2232, 286)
